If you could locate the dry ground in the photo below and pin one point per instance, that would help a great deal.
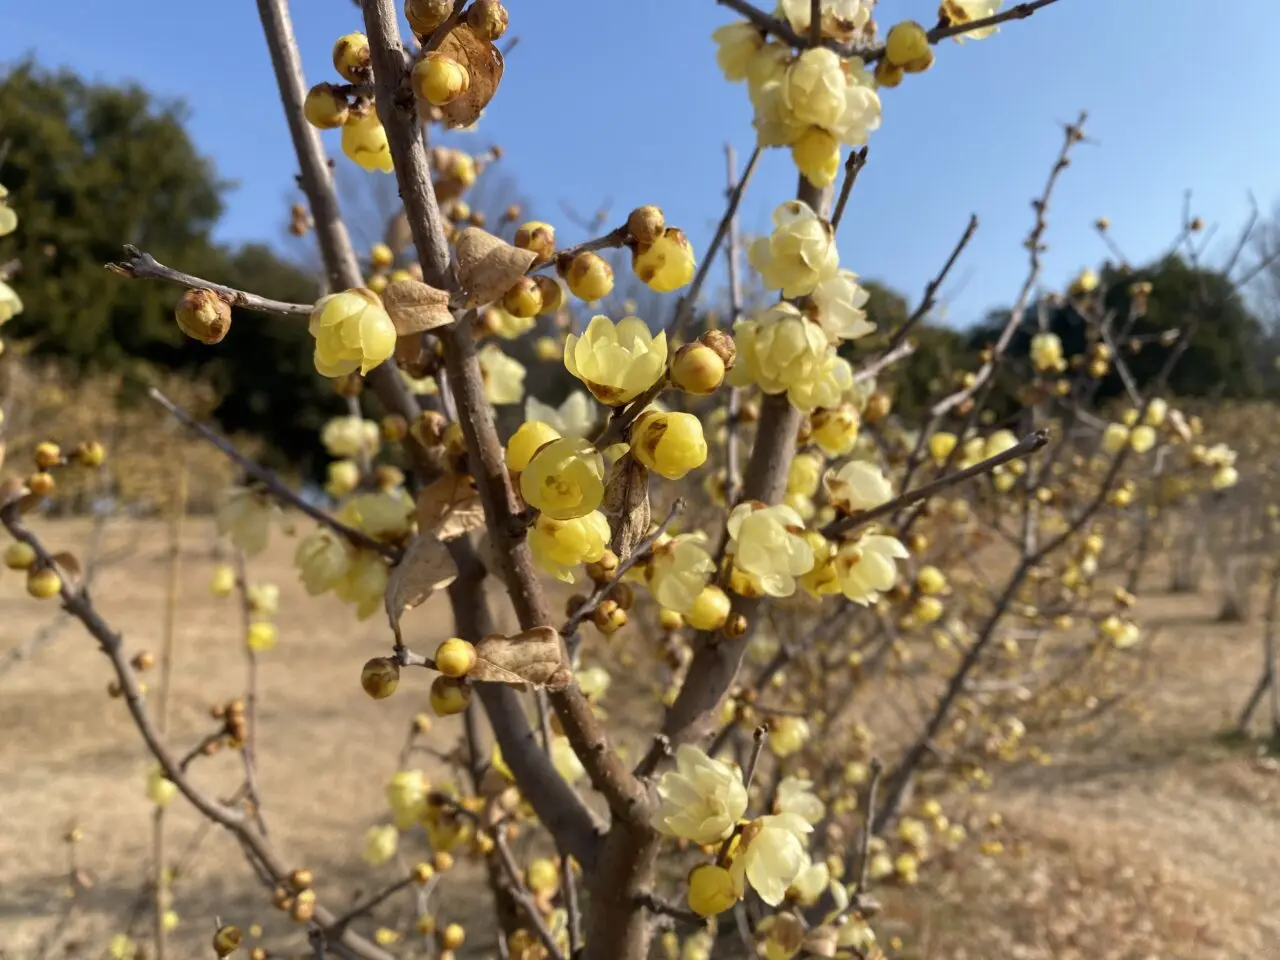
(1161, 842)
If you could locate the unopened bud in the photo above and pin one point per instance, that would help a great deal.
(325, 108)
(487, 19)
(203, 315)
(380, 677)
(646, 224)
(352, 57)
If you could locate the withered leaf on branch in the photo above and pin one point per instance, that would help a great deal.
(484, 65)
(70, 566)
(450, 506)
(415, 307)
(534, 657)
(425, 568)
(488, 266)
(626, 504)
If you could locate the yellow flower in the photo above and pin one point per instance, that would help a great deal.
(364, 141)
(1114, 438)
(736, 44)
(678, 570)
(364, 584)
(1046, 353)
(262, 636)
(841, 19)
(954, 12)
(384, 514)
(343, 476)
(832, 381)
(710, 609)
(565, 479)
(575, 417)
(617, 362)
(566, 761)
(835, 430)
(866, 568)
(810, 883)
(766, 68)
(821, 581)
(804, 475)
(1086, 282)
(350, 436)
(667, 263)
(711, 890)
(593, 681)
(224, 580)
(941, 445)
(779, 349)
(857, 486)
(380, 844)
(245, 517)
(670, 444)
(1157, 409)
(931, 581)
(839, 303)
(1142, 439)
(771, 855)
(160, 789)
(323, 559)
(998, 443)
(8, 219)
(559, 546)
(122, 948)
(10, 302)
(503, 375)
(524, 443)
(505, 324)
(1224, 477)
(406, 793)
(813, 88)
(701, 799)
(799, 254)
(788, 735)
(767, 545)
(352, 332)
(796, 796)
(817, 155)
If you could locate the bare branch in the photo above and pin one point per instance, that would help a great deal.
(852, 167)
(929, 299)
(143, 266)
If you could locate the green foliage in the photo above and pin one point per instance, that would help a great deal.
(91, 167)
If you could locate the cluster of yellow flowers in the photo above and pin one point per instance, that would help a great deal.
(10, 302)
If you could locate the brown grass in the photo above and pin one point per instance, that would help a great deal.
(1155, 841)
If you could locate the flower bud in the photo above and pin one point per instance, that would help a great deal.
(429, 428)
(449, 695)
(589, 277)
(226, 940)
(710, 609)
(41, 484)
(906, 43)
(423, 872)
(452, 936)
(48, 455)
(380, 677)
(324, 107)
(43, 583)
(439, 79)
(538, 238)
(425, 15)
(203, 315)
(301, 880)
(90, 454)
(888, 74)
(553, 298)
(697, 369)
(455, 658)
(670, 444)
(487, 19)
(524, 299)
(352, 57)
(711, 890)
(646, 224)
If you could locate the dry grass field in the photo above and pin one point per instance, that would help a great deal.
(1155, 841)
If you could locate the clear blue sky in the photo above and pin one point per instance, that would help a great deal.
(606, 99)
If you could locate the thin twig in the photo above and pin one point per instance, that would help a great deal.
(852, 167)
(884, 361)
(931, 290)
(143, 266)
(275, 486)
(522, 896)
(869, 812)
(615, 238)
(372, 902)
(1024, 448)
(938, 34)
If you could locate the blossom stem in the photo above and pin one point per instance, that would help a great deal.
(142, 266)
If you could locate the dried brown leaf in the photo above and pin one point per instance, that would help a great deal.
(450, 506)
(484, 64)
(488, 266)
(534, 656)
(69, 566)
(416, 307)
(398, 234)
(425, 568)
(626, 504)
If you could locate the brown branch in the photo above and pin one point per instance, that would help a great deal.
(275, 486)
(931, 290)
(381, 896)
(938, 34)
(684, 309)
(884, 361)
(1024, 448)
(615, 431)
(522, 896)
(142, 266)
(852, 167)
(78, 604)
(601, 592)
(732, 455)
(616, 238)
(864, 842)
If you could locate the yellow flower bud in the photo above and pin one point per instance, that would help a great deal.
(710, 609)
(697, 369)
(835, 430)
(43, 583)
(711, 890)
(90, 454)
(224, 580)
(907, 41)
(1142, 439)
(352, 57)
(589, 277)
(381, 256)
(667, 263)
(226, 940)
(449, 696)
(455, 658)
(343, 477)
(538, 238)
(324, 107)
(888, 74)
(203, 315)
(524, 299)
(670, 444)
(439, 79)
(425, 15)
(19, 555)
(452, 936)
(380, 844)
(262, 636)
(941, 445)
(542, 877)
(380, 677)
(817, 155)
(930, 581)
(552, 293)
(526, 441)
